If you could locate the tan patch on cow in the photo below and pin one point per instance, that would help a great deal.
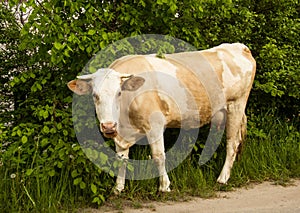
(139, 118)
(215, 62)
(164, 106)
(133, 64)
(222, 61)
(196, 92)
(227, 58)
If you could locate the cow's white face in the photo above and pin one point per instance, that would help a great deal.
(106, 86)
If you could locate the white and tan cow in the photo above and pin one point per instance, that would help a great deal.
(216, 79)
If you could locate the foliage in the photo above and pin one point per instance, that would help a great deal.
(40, 156)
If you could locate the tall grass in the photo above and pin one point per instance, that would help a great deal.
(22, 194)
(271, 152)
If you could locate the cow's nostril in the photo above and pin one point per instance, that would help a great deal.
(111, 126)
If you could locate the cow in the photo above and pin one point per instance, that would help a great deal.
(226, 72)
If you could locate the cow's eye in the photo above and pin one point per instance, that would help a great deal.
(119, 93)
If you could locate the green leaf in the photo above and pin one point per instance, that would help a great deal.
(74, 173)
(104, 36)
(101, 197)
(16, 80)
(12, 83)
(102, 44)
(65, 132)
(59, 126)
(89, 49)
(92, 69)
(91, 32)
(111, 173)
(77, 181)
(130, 167)
(66, 53)
(58, 45)
(23, 79)
(82, 185)
(19, 132)
(103, 158)
(38, 86)
(81, 46)
(29, 172)
(53, 130)
(44, 81)
(59, 165)
(45, 114)
(24, 139)
(44, 142)
(51, 173)
(46, 129)
(94, 188)
(32, 75)
(96, 200)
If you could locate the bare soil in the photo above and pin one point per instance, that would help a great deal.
(266, 197)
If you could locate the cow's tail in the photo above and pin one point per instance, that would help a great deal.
(242, 134)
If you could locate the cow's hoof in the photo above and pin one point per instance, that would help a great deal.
(224, 177)
(222, 182)
(164, 190)
(117, 191)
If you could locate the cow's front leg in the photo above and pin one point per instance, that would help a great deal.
(158, 155)
(123, 155)
(155, 136)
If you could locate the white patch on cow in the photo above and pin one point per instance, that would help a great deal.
(228, 78)
(169, 86)
(162, 65)
(106, 84)
(157, 123)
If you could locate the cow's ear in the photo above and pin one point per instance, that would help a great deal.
(132, 83)
(80, 87)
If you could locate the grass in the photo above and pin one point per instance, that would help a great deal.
(271, 152)
(21, 194)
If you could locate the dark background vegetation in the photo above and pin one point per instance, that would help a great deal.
(42, 167)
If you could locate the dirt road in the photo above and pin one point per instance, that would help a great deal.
(263, 198)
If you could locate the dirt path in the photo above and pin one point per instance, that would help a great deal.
(262, 198)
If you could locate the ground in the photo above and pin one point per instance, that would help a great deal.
(265, 197)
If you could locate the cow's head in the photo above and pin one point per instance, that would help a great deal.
(106, 86)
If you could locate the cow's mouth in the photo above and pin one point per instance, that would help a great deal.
(110, 134)
(109, 129)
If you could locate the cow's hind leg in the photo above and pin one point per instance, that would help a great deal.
(236, 125)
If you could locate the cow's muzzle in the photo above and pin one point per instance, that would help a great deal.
(109, 129)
